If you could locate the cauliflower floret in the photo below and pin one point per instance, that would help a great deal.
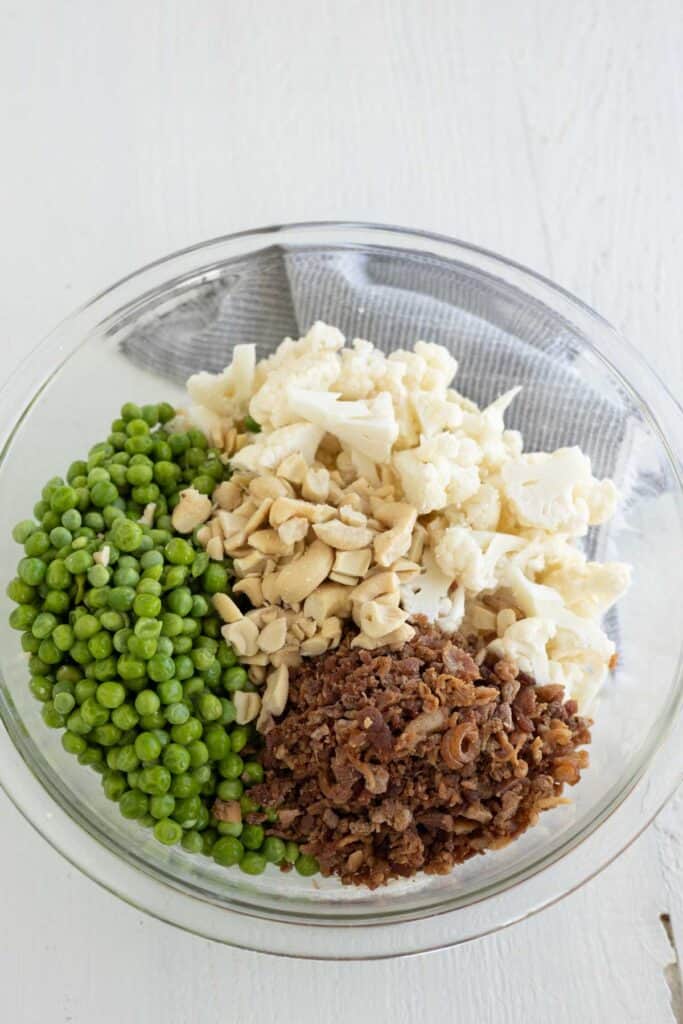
(310, 362)
(226, 394)
(439, 472)
(268, 451)
(435, 414)
(471, 556)
(554, 491)
(524, 643)
(487, 428)
(365, 371)
(589, 589)
(482, 510)
(368, 426)
(427, 594)
(440, 366)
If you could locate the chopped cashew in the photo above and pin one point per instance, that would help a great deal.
(242, 635)
(274, 697)
(342, 577)
(316, 484)
(353, 563)
(270, 588)
(258, 516)
(215, 549)
(329, 599)
(301, 577)
(227, 495)
(192, 510)
(375, 586)
(226, 608)
(101, 557)
(399, 637)
(283, 509)
(147, 516)
(352, 516)
(247, 706)
(273, 636)
(251, 564)
(293, 468)
(262, 487)
(293, 530)
(342, 537)
(331, 628)
(378, 620)
(269, 542)
(251, 586)
(314, 646)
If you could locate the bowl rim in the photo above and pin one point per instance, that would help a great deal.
(37, 382)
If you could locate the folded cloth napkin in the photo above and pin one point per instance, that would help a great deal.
(499, 336)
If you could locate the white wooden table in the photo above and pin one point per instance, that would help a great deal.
(550, 132)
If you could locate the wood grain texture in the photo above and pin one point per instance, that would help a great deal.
(549, 132)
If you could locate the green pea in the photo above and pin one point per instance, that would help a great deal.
(231, 766)
(86, 627)
(142, 647)
(51, 716)
(187, 811)
(104, 493)
(111, 695)
(252, 774)
(239, 737)
(32, 571)
(176, 758)
(49, 653)
(155, 780)
(306, 865)
(175, 576)
(121, 598)
(227, 851)
(147, 605)
(125, 717)
(78, 562)
(192, 841)
(147, 746)
(230, 789)
(63, 498)
(183, 667)
(164, 646)
(130, 668)
(100, 645)
(253, 863)
(126, 534)
(235, 679)
(170, 691)
(71, 519)
(217, 742)
(160, 668)
(179, 552)
(273, 849)
(133, 804)
(114, 785)
(168, 831)
(253, 836)
(215, 578)
(98, 575)
(73, 744)
(162, 805)
(23, 530)
(177, 714)
(147, 702)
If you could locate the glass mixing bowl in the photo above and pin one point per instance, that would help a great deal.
(583, 384)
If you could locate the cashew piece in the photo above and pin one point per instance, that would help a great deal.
(227, 495)
(251, 586)
(226, 608)
(273, 636)
(344, 538)
(378, 620)
(247, 706)
(301, 577)
(400, 636)
(293, 530)
(329, 599)
(242, 635)
(353, 563)
(192, 509)
(316, 484)
(375, 586)
(283, 509)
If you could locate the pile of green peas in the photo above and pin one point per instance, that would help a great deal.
(127, 657)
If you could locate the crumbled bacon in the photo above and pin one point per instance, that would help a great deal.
(390, 762)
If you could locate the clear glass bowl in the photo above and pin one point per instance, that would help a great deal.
(582, 384)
